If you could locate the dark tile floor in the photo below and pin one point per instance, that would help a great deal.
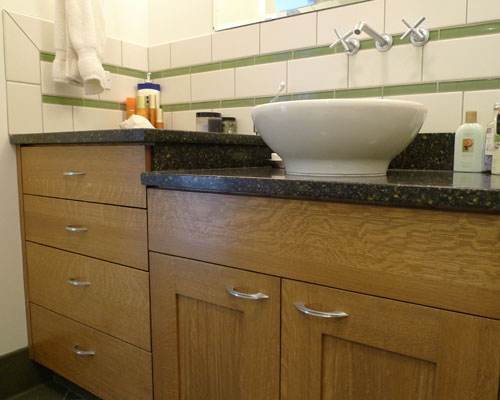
(48, 391)
(56, 389)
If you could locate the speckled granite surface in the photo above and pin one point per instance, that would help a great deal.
(134, 136)
(430, 189)
(427, 151)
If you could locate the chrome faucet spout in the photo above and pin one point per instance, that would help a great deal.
(383, 41)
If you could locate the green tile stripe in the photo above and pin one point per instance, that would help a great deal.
(70, 101)
(487, 28)
(49, 57)
(397, 90)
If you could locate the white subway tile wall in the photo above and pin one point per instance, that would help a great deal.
(317, 73)
(288, 33)
(24, 108)
(402, 64)
(438, 13)
(57, 118)
(113, 52)
(444, 110)
(191, 51)
(235, 43)
(345, 18)
(159, 57)
(87, 118)
(260, 80)
(212, 85)
(175, 90)
(482, 10)
(466, 58)
(40, 31)
(135, 56)
(21, 55)
(440, 60)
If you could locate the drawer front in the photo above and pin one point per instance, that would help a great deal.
(437, 258)
(110, 298)
(116, 234)
(105, 174)
(117, 370)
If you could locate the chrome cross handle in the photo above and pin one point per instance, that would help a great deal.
(418, 36)
(351, 46)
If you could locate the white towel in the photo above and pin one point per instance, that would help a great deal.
(79, 43)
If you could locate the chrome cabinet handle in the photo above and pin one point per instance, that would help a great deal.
(72, 228)
(82, 352)
(254, 296)
(72, 281)
(73, 173)
(333, 314)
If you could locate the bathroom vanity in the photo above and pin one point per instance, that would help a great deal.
(242, 283)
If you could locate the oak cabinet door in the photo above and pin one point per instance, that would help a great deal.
(362, 347)
(208, 343)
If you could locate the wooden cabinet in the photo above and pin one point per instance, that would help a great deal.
(207, 343)
(415, 293)
(381, 349)
(84, 226)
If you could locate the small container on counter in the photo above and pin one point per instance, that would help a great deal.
(229, 125)
(142, 107)
(159, 119)
(208, 122)
(130, 106)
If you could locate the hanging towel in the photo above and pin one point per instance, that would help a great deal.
(79, 43)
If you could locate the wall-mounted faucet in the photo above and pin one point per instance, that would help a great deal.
(350, 45)
(418, 36)
(383, 42)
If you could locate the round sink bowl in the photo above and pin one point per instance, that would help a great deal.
(340, 136)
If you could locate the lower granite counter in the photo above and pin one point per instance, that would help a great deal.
(408, 188)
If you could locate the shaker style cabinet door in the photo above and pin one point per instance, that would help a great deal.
(216, 331)
(343, 345)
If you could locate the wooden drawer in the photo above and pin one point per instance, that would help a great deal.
(112, 173)
(437, 258)
(117, 234)
(116, 300)
(117, 370)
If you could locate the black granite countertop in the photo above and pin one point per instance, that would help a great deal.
(413, 188)
(150, 136)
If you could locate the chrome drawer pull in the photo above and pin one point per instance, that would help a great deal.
(73, 173)
(255, 296)
(333, 314)
(72, 281)
(72, 228)
(82, 352)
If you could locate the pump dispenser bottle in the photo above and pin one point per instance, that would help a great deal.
(469, 145)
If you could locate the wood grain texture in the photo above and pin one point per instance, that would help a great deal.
(116, 234)
(442, 259)
(384, 349)
(112, 173)
(208, 344)
(117, 371)
(23, 245)
(116, 302)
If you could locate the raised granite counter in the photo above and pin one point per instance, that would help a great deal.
(170, 149)
(413, 188)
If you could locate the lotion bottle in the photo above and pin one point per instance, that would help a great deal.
(490, 137)
(495, 165)
(469, 145)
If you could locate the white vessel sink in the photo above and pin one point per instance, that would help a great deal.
(339, 136)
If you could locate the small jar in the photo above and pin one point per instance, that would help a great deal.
(208, 122)
(229, 125)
